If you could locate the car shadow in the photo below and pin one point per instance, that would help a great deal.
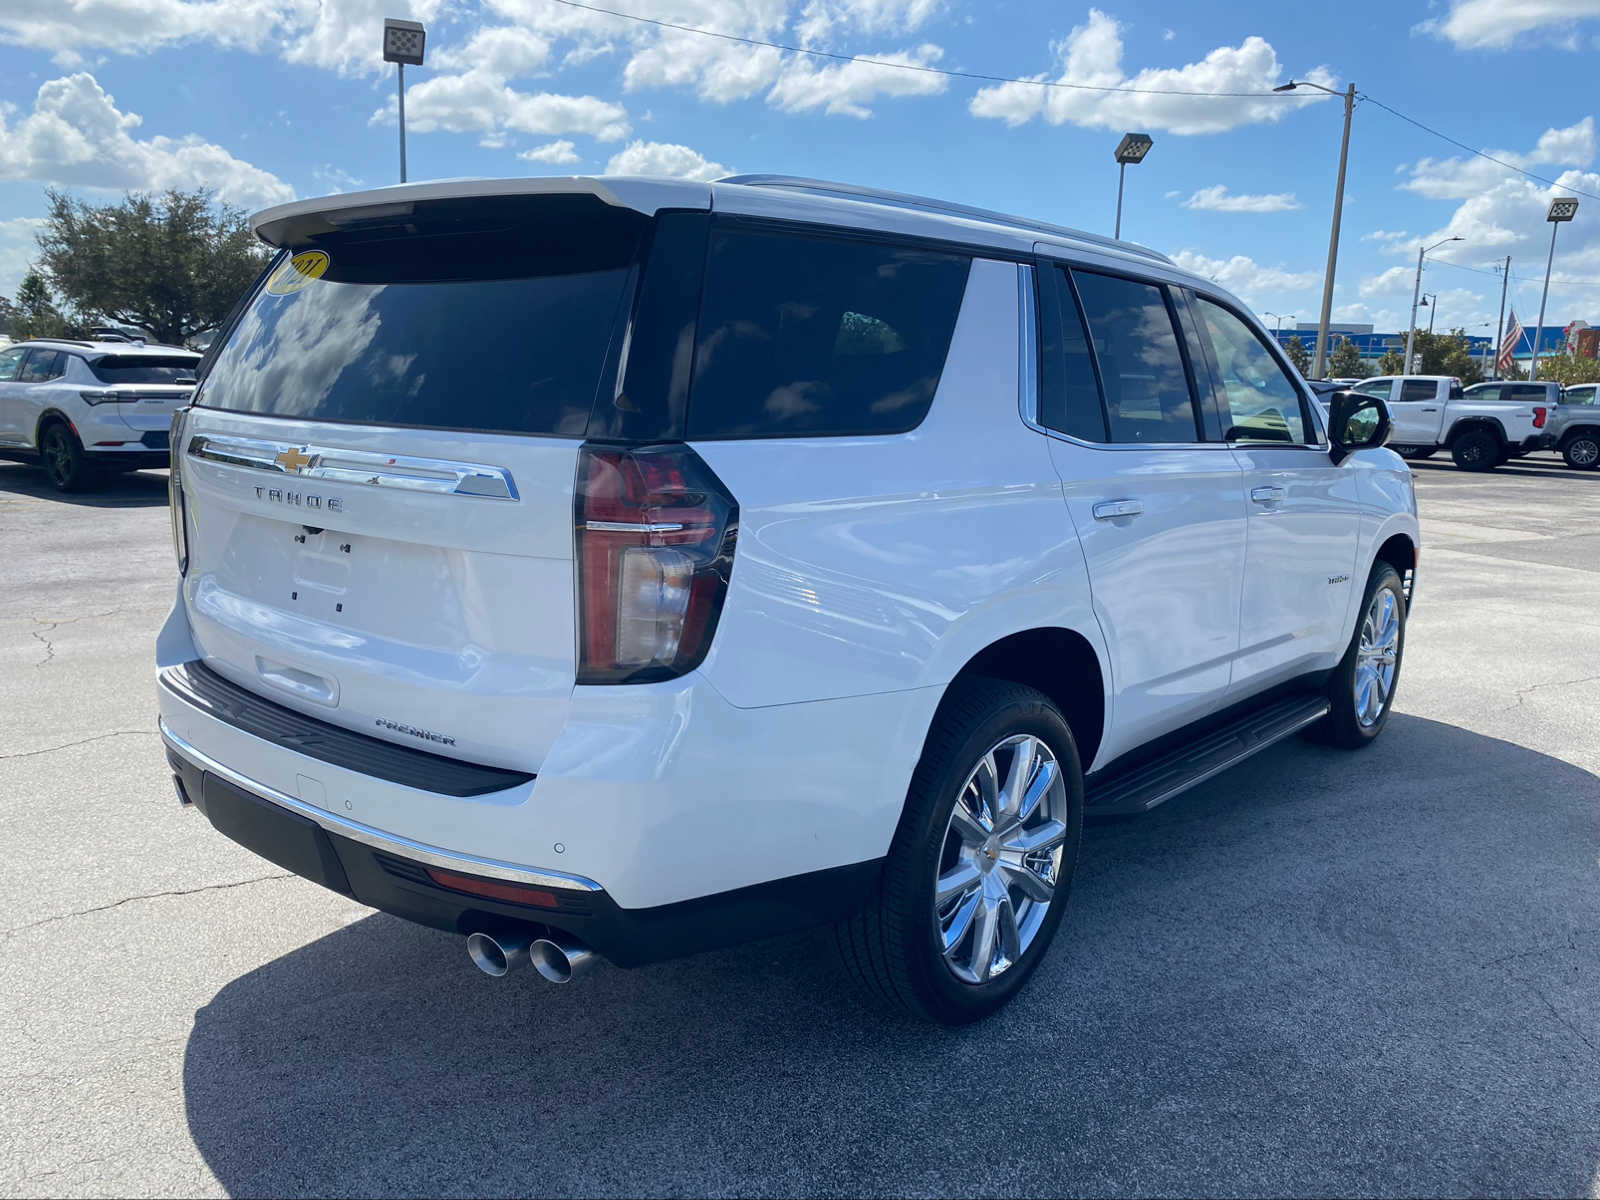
(1517, 466)
(132, 489)
(1369, 973)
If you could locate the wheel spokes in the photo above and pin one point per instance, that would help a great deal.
(1032, 885)
(1045, 836)
(956, 882)
(961, 921)
(1024, 757)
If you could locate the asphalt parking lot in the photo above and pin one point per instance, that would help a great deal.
(1319, 973)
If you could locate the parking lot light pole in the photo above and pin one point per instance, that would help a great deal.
(402, 44)
(1278, 328)
(1562, 208)
(1416, 293)
(1131, 149)
(1349, 95)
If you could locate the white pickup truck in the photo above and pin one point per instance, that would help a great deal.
(1431, 412)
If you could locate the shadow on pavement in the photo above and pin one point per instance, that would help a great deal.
(1349, 974)
(132, 489)
(1528, 468)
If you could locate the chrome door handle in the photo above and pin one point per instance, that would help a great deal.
(1429, 410)
(1110, 510)
(1267, 495)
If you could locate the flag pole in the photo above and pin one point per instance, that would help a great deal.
(1500, 328)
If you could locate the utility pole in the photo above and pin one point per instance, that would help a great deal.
(1349, 94)
(1500, 325)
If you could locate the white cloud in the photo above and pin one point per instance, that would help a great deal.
(1463, 177)
(558, 153)
(77, 136)
(1168, 35)
(664, 158)
(481, 102)
(1391, 282)
(1092, 55)
(1244, 276)
(18, 249)
(821, 20)
(1496, 24)
(845, 89)
(503, 50)
(718, 71)
(334, 34)
(1218, 199)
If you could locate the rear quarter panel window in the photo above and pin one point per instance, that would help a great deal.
(1147, 392)
(804, 335)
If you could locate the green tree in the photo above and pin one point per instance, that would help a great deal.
(171, 265)
(35, 315)
(1569, 368)
(1392, 363)
(8, 317)
(1298, 355)
(1345, 362)
(1447, 354)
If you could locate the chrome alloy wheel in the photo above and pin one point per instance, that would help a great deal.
(1001, 858)
(1583, 452)
(1377, 657)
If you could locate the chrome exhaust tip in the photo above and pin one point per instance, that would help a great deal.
(496, 954)
(558, 960)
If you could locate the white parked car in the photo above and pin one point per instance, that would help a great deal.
(87, 408)
(625, 567)
(1479, 427)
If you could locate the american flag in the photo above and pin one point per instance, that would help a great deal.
(1509, 343)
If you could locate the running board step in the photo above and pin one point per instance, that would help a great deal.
(1141, 788)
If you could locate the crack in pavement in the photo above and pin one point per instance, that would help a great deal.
(51, 626)
(99, 737)
(99, 908)
(1556, 1013)
(1522, 693)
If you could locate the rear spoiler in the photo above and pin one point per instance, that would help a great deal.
(301, 220)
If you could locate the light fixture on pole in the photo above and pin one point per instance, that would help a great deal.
(1562, 208)
(1278, 328)
(1131, 149)
(1416, 292)
(402, 44)
(1349, 95)
(1433, 307)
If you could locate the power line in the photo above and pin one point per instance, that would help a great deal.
(921, 67)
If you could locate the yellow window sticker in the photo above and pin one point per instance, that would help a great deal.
(298, 272)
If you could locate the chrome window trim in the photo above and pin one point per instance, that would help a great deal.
(389, 843)
(364, 467)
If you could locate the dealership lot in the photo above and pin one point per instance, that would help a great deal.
(1319, 972)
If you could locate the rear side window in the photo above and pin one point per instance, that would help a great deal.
(1377, 387)
(144, 368)
(42, 366)
(1527, 391)
(1418, 391)
(10, 360)
(1069, 393)
(1147, 392)
(482, 315)
(806, 336)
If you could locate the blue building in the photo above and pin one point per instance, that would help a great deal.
(1373, 346)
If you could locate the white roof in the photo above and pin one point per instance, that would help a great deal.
(121, 349)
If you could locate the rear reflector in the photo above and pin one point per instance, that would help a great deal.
(493, 889)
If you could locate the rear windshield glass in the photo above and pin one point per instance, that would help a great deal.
(478, 315)
(145, 368)
(803, 336)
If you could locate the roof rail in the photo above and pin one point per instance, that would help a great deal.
(926, 204)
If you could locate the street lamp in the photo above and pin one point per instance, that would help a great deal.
(402, 44)
(1131, 149)
(1416, 291)
(1432, 308)
(1562, 208)
(1349, 95)
(1278, 328)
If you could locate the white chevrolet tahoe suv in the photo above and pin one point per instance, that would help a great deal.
(86, 409)
(620, 567)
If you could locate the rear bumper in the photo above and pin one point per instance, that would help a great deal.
(393, 874)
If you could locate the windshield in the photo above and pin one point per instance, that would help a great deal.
(493, 316)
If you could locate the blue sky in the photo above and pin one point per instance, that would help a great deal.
(269, 99)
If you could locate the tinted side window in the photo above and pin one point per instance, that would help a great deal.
(1263, 405)
(10, 360)
(1525, 391)
(1376, 387)
(1069, 393)
(42, 366)
(1141, 367)
(1489, 391)
(1583, 395)
(807, 336)
(1418, 391)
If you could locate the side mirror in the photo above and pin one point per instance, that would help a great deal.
(1356, 422)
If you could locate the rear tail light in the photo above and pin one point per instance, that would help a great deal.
(654, 540)
(92, 398)
(176, 508)
(1538, 417)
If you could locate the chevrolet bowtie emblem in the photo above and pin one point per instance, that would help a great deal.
(292, 459)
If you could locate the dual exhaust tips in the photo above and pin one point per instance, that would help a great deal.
(556, 958)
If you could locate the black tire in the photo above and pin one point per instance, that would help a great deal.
(1416, 451)
(1476, 450)
(65, 465)
(1342, 726)
(893, 945)
(1582, 451)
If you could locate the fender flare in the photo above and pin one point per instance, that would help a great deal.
(1467, 424)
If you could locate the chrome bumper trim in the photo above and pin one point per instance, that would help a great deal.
(390, 843)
